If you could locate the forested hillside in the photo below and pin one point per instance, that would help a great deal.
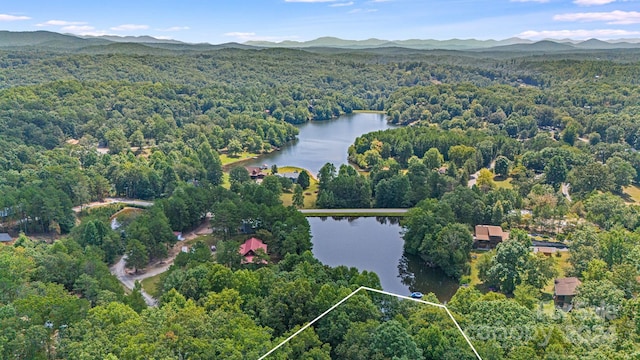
(81, 125)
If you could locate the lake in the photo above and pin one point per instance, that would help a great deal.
(376, 244)
(367, 243)
(320, 142)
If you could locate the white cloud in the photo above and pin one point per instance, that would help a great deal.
(362, 11)
(614, 17)
(538, 1)
(308, 1)
(380, 1)
(342, 4)
(7, 17)
(61, 23)
(592, 2)
(240, 34)
(577, 34)
(175, 28)
(129, 27)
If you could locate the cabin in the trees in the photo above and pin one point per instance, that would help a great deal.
(564, 291)
(255, 172)
(249, 250)
(488, 236)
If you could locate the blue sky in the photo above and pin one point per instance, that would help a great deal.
(219, 21)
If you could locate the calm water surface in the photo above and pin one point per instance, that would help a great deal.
(375, 244)
(320, 142)
(364, 243)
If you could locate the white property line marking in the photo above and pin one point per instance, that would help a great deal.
(381, 292)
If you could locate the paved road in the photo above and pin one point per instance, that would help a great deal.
(473, 178)
(353, 211)
(108, 201)
(129, 280)
(118, 269)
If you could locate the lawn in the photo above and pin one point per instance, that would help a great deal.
(226, 159)
(226, 183)
(631, 194)
(310, 194)
(503, 184)
(369, 112)
(150, 285)
(209, 239)
(475, 255)
(561, 266)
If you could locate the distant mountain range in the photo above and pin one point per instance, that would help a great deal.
(453, 44)
(55, 41)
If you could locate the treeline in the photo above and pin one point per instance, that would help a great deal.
(210, 311)
(147, 235)
(598, 107)
(410, 164)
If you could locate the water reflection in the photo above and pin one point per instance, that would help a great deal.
(376, 244)
(320, 142)
(417, 275)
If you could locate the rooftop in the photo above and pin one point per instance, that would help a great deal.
(484, 232)
(249, 247)
(566, 286)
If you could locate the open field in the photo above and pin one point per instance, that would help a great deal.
(631, 194)
(310, 194)
(225, 159)
(503, 184)
(369, 112)
(150, 285)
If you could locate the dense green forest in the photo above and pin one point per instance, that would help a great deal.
(79, 126)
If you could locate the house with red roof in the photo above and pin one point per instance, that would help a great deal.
(249, 249)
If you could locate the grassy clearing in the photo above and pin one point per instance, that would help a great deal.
(310, 194)
(151, 285)
(243, 156)
(475, 280)
(631, 194)
(475, 255)
(503, 184)
(369, 112)
(126, 213)
(226, 183)
(209, 239)
(562, 266)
